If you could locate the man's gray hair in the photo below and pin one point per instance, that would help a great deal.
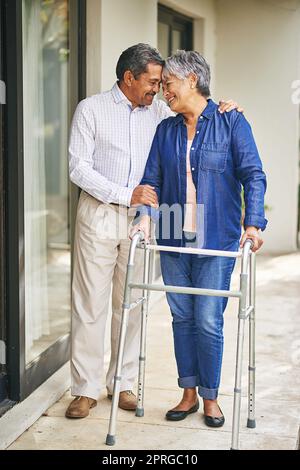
(136, 58)
(183, 63)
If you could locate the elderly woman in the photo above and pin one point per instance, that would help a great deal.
(198, 161)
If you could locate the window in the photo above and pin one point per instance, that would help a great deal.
(175, 31)
(45, 69)
(46, 182)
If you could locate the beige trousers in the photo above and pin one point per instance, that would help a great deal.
(100, 258)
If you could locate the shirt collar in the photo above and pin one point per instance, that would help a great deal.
(119, 97)
(207, 112)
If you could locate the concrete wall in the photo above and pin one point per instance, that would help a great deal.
(123, 24)
(114, 25)
(257, 61)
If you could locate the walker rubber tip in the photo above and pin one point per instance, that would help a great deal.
(139, 412)
(251, 423)
(110, 440)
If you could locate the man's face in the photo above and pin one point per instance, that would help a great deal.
(147, 85)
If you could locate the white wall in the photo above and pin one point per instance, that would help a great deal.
(257, 61)
(124, 23)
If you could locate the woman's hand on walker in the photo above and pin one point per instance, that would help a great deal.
(142, 226)
(253, 234)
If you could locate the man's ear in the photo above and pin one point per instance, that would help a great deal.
(128, 78)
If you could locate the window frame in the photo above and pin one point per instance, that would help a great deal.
(177, 22)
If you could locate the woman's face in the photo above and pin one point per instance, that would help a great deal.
(177, 92)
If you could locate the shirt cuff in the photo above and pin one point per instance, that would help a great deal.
(125, 196)
(255, 221)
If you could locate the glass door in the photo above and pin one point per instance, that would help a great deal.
(46, 39)
(46, 184)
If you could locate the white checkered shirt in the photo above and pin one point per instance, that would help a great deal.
(110, 143)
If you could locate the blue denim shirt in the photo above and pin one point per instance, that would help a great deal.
(223, 158)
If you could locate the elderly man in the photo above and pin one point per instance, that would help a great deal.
(110, 140)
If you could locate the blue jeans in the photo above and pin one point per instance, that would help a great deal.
(198, 320)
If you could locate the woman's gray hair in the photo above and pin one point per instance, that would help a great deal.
(183, 63)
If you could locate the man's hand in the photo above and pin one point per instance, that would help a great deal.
(229, 105)
(144, 226)
(144, 194)
(254, 235)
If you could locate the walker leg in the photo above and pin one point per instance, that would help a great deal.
(239, 358)
(251, 377)
(142, 359)
(110, 438)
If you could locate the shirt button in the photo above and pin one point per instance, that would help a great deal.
(197, 132)
(193, 169)
(201, 117)
(193, 148)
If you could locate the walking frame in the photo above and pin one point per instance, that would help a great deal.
(246, 296)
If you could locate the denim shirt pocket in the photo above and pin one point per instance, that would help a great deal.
(213, 156)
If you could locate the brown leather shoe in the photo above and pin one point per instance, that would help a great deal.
(80, 407)
(127, 400)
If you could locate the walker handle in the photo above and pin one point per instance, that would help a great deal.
(251, 242)
(245, 254)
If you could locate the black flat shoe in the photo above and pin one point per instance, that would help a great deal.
(179, 415)
(214, 422)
